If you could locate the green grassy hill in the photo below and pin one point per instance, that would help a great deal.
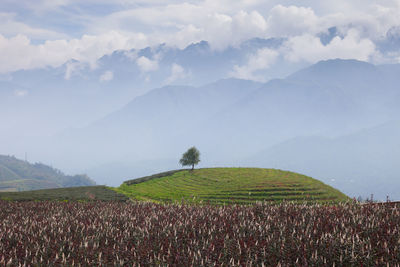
(85, 193)
(19, 175)
(230, 185)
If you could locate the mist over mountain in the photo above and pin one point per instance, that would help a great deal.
(48, 100)
(157, 125)
(361, 163)
(335, 120)
(133, 112)
(19, 175)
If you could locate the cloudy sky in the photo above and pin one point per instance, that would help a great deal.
(41, 33)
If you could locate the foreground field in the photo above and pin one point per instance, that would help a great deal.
(230, 185)
(84, 193)
(148, 234)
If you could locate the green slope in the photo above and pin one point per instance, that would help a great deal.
(85, 193)
(230, 185)
(19, 175)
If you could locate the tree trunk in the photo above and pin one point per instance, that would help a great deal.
(192, 167)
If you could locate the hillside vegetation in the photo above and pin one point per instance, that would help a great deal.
(19, 175)
(230, 185)
(85, 193)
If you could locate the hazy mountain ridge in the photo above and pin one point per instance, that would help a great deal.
(310, 104)
(76, 94)
(157, 121)
(18, 175)
(363, 163)
(231, 120)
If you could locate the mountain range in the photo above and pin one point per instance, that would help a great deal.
(361, 162)
(46, 101)
(335, 120)
(316, 121)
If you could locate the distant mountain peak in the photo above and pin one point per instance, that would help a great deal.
(342, 62)
(333, 68)
(232, 80)
(261, 43)
(202, 45)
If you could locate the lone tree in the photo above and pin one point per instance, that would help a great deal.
(190, 157)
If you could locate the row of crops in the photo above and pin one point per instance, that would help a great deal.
(148, 234)
(231, 185)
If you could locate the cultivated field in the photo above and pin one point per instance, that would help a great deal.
(148, 234)
(83, 193)
(230, 185)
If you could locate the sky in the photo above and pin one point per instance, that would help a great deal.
(43, 33)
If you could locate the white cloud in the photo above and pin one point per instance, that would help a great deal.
(106, 76)
(182, 24)
(41, 6)
(261, 60)
(9, 26)
(223, 31)
(19, 53)
(310, 49)
(291, 21)
(21, 93)
(186, 35)
(73, 67)
(159, 16)
(128, 24)
(131, 54)
(177, 73)
(146, 65)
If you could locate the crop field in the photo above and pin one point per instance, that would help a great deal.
(230, 185)
(54, 233)
(82, 193)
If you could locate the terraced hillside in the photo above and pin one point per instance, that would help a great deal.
(230, 185)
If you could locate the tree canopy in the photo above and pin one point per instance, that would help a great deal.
(190, 157)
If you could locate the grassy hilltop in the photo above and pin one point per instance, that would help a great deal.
(230, 185)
